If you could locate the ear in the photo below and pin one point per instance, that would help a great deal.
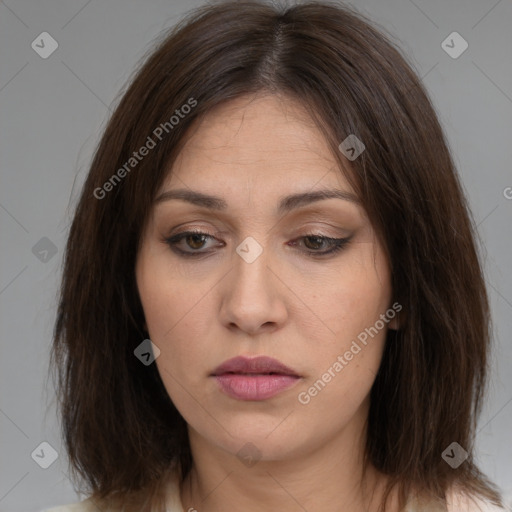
(398, 321)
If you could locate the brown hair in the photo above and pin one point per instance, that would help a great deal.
(122, 432)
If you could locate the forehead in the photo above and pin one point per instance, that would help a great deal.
(260, 141)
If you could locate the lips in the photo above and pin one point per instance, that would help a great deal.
(261, 365)
(255, 379)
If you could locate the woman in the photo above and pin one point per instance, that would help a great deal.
(270, 274)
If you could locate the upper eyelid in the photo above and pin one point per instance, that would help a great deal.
(191, 231)
(318, 219)
(314, 212)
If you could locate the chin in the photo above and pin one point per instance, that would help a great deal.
(265, 439)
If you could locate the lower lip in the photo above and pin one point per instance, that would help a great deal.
(254, 387)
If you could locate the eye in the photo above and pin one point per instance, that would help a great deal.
(194, 240)
(197, 240)
(313, 242)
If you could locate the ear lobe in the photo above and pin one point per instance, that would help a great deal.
(394, 324)
(397, 322)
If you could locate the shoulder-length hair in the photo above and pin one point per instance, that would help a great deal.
(122, 431)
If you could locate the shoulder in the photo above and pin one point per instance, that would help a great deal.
(457, 500)
(173, 501)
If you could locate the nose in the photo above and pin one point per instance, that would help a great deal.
(254, 296)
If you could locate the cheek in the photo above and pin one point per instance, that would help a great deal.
(352, 297)
(348, 324)
(344, 367)
(176, 321)
(169, 301)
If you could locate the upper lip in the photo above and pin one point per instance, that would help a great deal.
(256, 365)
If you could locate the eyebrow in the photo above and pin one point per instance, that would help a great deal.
(286, 203)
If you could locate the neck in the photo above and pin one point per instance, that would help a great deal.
(328, 478)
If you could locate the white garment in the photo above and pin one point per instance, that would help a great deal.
(456, 503)
(173, 501)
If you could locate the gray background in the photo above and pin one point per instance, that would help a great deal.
(52, 114)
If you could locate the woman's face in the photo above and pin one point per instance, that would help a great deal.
(260, 281)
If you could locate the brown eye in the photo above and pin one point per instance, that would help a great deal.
(195, 241)
(189, 243)
(192, 242)
(313, 243)
(316, 244)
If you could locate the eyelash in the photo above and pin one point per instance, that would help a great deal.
(338, 244)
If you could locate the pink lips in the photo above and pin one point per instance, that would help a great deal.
(258, 378)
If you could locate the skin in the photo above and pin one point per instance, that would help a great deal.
(303, 310)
